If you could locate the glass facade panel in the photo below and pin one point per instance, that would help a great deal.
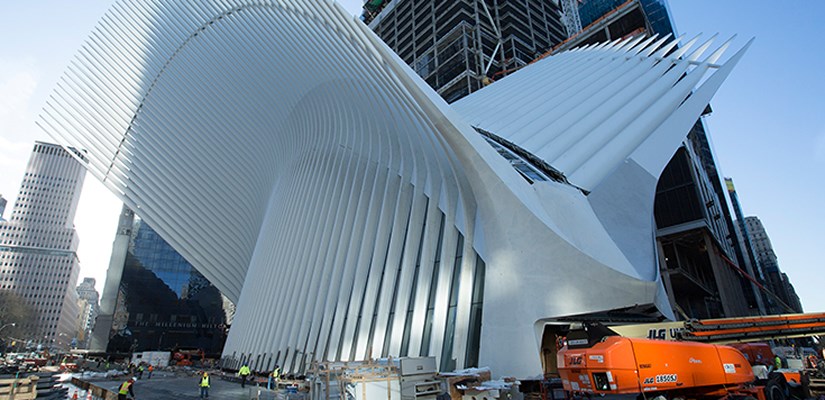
(448, 363)
(163, 302)
(656, 12)
(474, 338)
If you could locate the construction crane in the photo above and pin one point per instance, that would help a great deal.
(570, 16)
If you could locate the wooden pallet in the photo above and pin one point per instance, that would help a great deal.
(19, 389)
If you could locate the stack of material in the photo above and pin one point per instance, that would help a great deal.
(49, 387)
(391, 379)
(334, 380)
(459, 381)
(476, 384)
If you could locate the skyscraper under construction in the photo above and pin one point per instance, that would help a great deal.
(457, 45)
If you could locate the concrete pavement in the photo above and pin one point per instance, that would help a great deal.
(184, 388)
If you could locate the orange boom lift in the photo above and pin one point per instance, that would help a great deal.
(599, 361)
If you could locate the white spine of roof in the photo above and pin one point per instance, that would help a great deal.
(585, 111)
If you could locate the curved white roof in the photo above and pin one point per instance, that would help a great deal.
(349, 212)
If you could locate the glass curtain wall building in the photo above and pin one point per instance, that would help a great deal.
(654, 14)
(162, 302)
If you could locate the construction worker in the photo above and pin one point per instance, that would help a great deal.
(812, 362)
(150, 369)
(126, 388)
(204, 385)
(274, 377)
(140, 371)
(244, 373)
(777, 362)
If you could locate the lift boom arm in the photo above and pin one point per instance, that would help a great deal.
(730, 330)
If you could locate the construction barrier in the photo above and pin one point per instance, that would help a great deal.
(91, 391)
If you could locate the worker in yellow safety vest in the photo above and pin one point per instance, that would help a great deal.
(274, 377)
(204, 385)
(244, 373)
(126, 388)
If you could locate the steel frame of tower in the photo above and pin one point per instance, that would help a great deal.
(570, 16)
(454, 45)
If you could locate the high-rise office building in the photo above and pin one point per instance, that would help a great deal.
(777, 281)
(89, 307)
(38, 244)
(746, 252)
(762, 247)
(154, 299)
(456, 45)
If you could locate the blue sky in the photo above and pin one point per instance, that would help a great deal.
(768, 125)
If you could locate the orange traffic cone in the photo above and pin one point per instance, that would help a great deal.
(89, 395)
(74, 396)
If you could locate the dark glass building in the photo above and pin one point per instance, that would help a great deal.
(654, 13)
(162, 302)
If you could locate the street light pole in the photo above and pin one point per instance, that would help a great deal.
(7, 325)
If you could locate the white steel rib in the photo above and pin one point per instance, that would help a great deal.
(348, 211)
